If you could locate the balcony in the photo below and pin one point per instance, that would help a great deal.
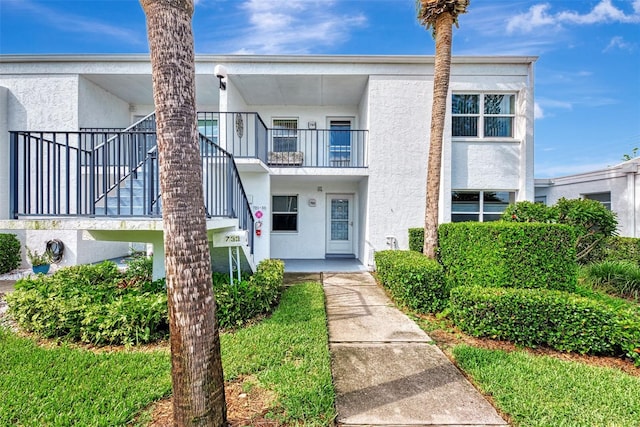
(245, 135)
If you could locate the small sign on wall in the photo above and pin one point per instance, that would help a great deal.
(230, 239)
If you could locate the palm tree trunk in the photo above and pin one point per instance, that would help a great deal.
(442, 70)
(196, 367)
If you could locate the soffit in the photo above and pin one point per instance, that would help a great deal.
(137, 89)
(300, 89)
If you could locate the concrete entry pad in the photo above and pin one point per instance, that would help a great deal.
(366, 323)
(350, 295)
(405, 384)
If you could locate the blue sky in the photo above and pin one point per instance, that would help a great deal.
(587, 76)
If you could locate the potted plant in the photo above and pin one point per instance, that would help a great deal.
(40, 263)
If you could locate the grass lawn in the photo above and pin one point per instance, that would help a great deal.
(65, 386)
(545, 391)
(287, 354)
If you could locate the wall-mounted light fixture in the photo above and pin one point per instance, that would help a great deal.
(221, 73)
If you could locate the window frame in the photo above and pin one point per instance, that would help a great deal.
(287, 133)
(289, 212)
(481, 212)
(209, 122)
(481, 115)
(606, 204)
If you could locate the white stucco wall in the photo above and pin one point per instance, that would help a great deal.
(485, 165)
(495, 164)
(399, 117)
(309, 241)
(258, 189)
(99, 108)
(4, 154)
(42, 102)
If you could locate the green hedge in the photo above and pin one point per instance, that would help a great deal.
(9, 253)
(101, 305)
(414, 280)
(504, 254)
(93, 304)
(416, 239)
(239, 302)
(560, 320)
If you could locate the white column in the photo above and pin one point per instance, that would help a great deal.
(4, 154)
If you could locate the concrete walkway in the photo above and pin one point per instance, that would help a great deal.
(386, 370)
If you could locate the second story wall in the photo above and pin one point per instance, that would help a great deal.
(41, 102)
(399, 116)
(98, 108)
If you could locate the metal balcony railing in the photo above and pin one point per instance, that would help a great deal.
(245, 135)
(319, 148)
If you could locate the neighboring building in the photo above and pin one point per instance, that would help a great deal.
(617, 187)
(331, 151)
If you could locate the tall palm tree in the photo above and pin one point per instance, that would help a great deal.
(439, 15)
(196, 367)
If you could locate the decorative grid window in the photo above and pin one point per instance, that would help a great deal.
(496, 119)
(480, 206)
(284, 215)
(604, 198)
(285, 135)
(339, 219)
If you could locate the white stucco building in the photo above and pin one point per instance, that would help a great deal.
(617, 187)
(331, 151)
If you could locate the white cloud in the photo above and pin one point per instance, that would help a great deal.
(299, 26)
(540, 15)
(75, 23)
(555, 104)
(537, 16)
(538, 112)
(618, 42)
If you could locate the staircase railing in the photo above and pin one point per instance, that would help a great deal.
(112, 174)
(224, 193)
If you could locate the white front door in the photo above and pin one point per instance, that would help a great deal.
(340, 224)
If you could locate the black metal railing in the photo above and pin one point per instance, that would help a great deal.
(323, 148)
(224, 193)
(242, 134)
(245, 135)
(108, 174)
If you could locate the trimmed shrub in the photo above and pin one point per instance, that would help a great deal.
(101, 305)
(560, 320)
(414, 280)
(241, 301)
(591, 220)
(9, 253)
(93, 304)
(416, 239)
(504, 254)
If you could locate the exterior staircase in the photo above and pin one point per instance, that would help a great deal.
(111, 173)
